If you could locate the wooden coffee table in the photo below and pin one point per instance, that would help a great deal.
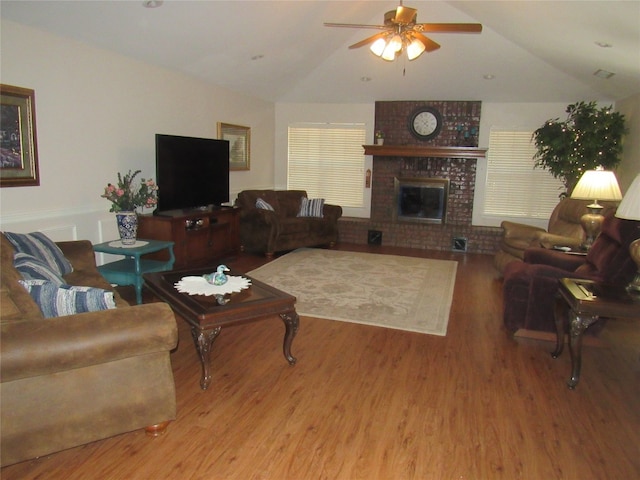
(207, 317)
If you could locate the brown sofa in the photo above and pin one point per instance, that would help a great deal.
(70, 380)
(281, 229)
(530, 287)
(564, 229)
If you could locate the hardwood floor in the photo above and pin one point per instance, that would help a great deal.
(372, 403)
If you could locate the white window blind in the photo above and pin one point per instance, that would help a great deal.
(327, 160)
(514, 187)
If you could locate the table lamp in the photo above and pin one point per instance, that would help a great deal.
(629, 209)
(595, 185)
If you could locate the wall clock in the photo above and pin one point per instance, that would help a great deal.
(425, 123)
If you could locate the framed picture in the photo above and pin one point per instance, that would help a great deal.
(239, 138)
(18, 151)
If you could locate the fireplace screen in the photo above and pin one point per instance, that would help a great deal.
(421, 200)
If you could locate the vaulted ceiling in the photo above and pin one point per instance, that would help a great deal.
(533, 51)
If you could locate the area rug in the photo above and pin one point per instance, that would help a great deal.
(392, 291)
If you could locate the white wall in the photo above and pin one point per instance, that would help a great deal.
(526, 116)
(96, 115)
(630, 165)
(287, 114)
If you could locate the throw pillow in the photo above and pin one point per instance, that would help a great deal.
(32, 268)
(38, 245)
(311, 207)
(59, 300)
(262, 204)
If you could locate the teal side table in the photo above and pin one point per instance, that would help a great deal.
(129, 271)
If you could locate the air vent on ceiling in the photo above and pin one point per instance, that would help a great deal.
(603, 74)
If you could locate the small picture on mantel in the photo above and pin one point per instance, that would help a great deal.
(239, 138)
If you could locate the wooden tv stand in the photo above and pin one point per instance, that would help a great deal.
(201, 236)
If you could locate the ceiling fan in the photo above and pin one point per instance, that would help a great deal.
(402, 32)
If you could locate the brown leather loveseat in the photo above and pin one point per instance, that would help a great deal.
(279, 227)
(74, 379)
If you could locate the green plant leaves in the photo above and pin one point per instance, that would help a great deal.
(588, 138)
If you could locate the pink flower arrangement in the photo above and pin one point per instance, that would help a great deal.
(125, 197)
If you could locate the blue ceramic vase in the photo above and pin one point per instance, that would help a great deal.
(127, 227)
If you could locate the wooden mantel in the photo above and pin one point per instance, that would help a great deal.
(417, 151)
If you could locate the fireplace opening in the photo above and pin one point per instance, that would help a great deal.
(421, 200)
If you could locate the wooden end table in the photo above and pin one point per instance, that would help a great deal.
(588, 301)
(207, 316)
(129, 270)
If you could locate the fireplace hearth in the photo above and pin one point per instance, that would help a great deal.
(420, 200)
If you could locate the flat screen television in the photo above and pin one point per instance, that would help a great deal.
(192, 173)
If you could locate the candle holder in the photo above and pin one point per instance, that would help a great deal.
(466, 136)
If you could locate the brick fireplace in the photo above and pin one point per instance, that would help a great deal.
(451, 156)
(420, 199)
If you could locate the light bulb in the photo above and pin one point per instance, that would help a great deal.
(415, 49)
(389, 53)
(378, 46)
(396, 43)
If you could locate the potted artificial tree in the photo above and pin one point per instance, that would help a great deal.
(588, 138)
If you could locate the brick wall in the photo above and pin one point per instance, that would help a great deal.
(461, 174)
(392, 118)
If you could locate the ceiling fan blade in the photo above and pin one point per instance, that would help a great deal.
(356, 25)
(405, 15)
(368, 40)
(448, 27)
(429, 45)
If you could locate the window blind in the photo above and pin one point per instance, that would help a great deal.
(327, 161)
(514, 187)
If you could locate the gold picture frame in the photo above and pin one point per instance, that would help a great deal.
(18, 149)
(239, 139)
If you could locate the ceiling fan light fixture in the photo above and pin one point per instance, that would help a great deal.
(401, 32)
(415, 49)
(396, 43)
(377, 47)
(389, 53)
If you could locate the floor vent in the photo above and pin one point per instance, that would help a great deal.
(459, 244)
(374, 237)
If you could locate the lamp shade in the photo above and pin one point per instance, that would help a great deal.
(378, 46)
(629, 208)
(415, 49)
(597, 185)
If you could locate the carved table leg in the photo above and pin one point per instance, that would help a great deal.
(560, 310)
(291, 322)
(579, 323)
(204, 341)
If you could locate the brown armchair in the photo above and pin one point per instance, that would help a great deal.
(564, 229)
(530, 287)
(280, 229)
